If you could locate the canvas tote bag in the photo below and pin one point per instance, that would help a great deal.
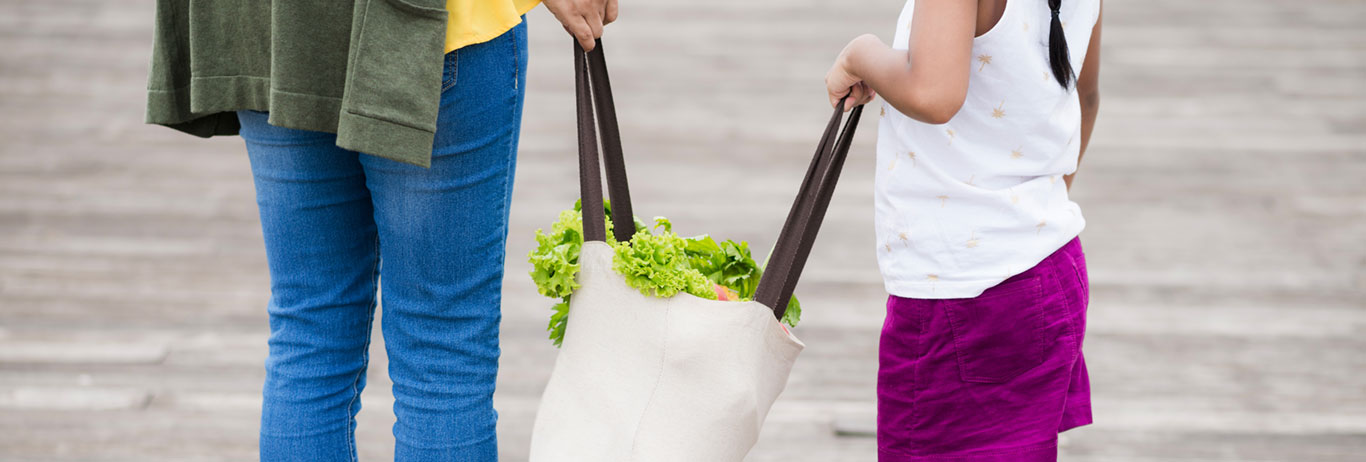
(641, 378)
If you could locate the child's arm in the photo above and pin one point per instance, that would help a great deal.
(929, 81)
(1088, 91)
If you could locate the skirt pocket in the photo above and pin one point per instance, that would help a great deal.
(999, 334)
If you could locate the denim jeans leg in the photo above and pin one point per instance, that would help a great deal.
(323, 255)
(442, 233)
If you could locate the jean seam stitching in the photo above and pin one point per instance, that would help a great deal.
(517, 118)
(365, 357)
(455, 71)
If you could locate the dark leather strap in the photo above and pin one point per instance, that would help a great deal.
(794, 244)
(590, 176)
(593, 92)
(593, 98)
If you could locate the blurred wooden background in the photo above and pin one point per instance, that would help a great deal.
(1225, 193)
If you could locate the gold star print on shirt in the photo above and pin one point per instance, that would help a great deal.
(1017, 153)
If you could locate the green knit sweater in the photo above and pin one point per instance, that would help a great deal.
(367, 70)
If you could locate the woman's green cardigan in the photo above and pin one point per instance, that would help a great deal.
(367, 70)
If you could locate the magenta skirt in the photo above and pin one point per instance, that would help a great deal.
(991, 378)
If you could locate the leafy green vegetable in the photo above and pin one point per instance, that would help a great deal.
(556, 258)
(727, 263)
(660, 265)
(559, 320)
(554, 264)
(793, 315)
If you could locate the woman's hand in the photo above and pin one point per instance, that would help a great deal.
(842, 81)
(583, 18)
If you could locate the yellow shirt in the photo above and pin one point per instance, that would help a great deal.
(478, 21)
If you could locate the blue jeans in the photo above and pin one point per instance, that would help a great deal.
(341, 226)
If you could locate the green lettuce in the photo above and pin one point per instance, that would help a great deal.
(658, 264)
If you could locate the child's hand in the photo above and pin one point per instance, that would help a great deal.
(842, 81)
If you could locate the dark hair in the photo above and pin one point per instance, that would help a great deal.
(1058, 57)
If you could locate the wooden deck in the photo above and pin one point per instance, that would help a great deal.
(1225, 193)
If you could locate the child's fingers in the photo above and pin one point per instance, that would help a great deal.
(835, 97)
(857, 95)
(868, 93)
(835, 86)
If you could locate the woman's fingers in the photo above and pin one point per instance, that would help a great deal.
(581, 18)
(609, 12)
(594, 19)
(579, 28)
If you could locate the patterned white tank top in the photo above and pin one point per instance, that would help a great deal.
(962, 206)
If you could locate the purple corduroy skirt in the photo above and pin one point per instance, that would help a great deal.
(991, 378)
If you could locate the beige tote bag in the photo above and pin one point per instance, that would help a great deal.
(685, 379)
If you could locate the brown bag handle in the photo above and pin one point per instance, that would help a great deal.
(593, 94)
(794, 244)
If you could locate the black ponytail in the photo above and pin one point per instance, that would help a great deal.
(1058, 57)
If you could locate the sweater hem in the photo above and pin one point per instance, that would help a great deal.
(390, 140)
(208, 107)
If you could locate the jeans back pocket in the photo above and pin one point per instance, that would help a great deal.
(999, 334)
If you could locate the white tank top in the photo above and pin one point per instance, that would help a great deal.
(962, 206)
